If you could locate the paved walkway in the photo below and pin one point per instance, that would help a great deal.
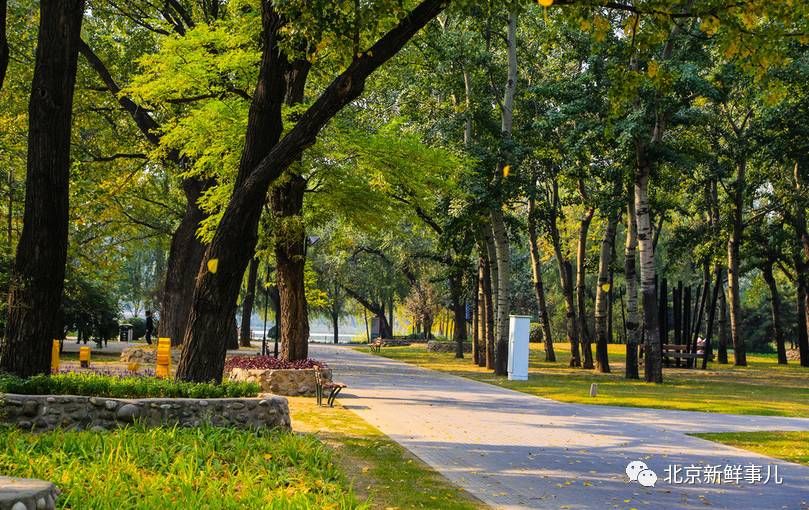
(517, 451)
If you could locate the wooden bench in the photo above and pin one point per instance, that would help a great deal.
(322, 386)
(677, 352)
(376, 345)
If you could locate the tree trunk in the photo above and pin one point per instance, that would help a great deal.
(581, 289)
(602, 291)
(185, 256)
(335, 322)
(458, 313)
(722, 350)
(286, 203)
(488, 304)
(232, 339)
(801, 269)
(247, 304)
(37, 276)
(235, 238)
(476, 316)
(501, 245)
(653, 363)
(539, 288)
(566, 281)
(803, 322)
(734, 244)
(631, 275)
(290, 260)
(775, 307)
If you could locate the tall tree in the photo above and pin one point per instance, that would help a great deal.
(499, 234)
(37, 279)
(3, 42)
(536, 272)
(235, 238)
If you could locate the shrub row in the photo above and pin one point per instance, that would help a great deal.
(129, 386)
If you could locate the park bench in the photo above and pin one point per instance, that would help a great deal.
(322, 386)
(376, 345)
(673, 353)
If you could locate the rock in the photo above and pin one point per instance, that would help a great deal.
(111, 405)
(436, 346)
(128, 413)
(30, 408)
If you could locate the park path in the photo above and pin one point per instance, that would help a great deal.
(517, 451)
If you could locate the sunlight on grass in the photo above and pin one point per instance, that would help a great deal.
(789, 446)
(763, 388)
(206, 468)
(381, 470)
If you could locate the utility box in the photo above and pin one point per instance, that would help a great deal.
(519, 327)
(126, 333)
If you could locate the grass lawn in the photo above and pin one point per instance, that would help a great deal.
(381, 471)
(764, 387)
(789, 446)
(205, 468)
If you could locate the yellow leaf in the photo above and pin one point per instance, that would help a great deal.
(506, 170)
(545, 3)
(213, 265)
(653, 69)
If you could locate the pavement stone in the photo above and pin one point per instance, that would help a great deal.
(518, 451)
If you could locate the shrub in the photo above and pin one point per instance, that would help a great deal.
(535, 334)
(127, 386)
(270, 363)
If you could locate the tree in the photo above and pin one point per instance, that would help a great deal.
(203, 353)
(37, 279)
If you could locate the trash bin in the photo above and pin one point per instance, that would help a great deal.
(127, 333)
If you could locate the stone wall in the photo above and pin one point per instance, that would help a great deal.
(47, 412)
(146, 355)
(291, 382)
(436, 346)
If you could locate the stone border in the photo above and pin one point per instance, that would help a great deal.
(436, 346)
(49, 412)
(293, 382)
(27, 494)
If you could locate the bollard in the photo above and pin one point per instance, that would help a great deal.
(593, 389)
(57, 346)
(84, 357)
(163, 358)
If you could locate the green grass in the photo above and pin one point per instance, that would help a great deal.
(763, 388)
(789, 446)
(200, 468)
(113, 386)
(381, 471)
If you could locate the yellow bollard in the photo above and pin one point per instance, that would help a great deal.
(84, 357)
(57, 346)
(163, 358)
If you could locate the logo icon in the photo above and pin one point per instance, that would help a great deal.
(638, 471)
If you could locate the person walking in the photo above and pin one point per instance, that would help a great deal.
(149, 327)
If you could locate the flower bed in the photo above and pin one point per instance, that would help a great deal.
(292, 378)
